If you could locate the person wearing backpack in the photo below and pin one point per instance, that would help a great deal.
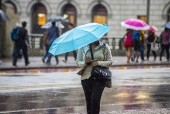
(14, 37)
(136, 45)
(152, 37)
(20, 43)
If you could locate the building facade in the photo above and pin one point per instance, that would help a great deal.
(111, 12)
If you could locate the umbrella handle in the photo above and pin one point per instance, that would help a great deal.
(91, 52)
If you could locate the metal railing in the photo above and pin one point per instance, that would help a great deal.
(115, 42)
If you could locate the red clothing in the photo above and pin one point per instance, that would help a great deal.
(128, 41)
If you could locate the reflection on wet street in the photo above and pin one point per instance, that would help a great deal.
(125, 97)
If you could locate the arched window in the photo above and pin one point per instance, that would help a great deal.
(69, 12)
(39, 16)
(169, 15)
(99, 14)
(14, 8)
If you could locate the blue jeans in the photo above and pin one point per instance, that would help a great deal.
(75, 55)
(49, 58)
(47, 47)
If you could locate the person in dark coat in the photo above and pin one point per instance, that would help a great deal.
(21, 43)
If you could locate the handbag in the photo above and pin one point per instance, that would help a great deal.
(154, 47)
(101, 73)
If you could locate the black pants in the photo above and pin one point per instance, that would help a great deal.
(93, 90)
(17, 48)
(164, 47)
(148, 51)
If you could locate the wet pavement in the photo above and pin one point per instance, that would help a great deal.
(36, 63)
(135, 91)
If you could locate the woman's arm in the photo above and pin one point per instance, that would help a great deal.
(155, 39)
(108, 58)
(80, 61)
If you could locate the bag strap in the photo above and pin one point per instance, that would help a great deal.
(91, 52)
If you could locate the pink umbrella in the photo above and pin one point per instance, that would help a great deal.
(135, 24)
(152, 28)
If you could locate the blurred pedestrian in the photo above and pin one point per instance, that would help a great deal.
(21, 44)
(136, 45)
(165, 36)
(151, 37)
(128, 44)
(14, 36)
(142, 45)
(93, 88)
(53, 33)
(46, 44)
(70, 26)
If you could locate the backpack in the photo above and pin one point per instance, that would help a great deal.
(136, 35)
(14, 33)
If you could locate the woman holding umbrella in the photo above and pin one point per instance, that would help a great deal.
(79, 38)
(128, 44)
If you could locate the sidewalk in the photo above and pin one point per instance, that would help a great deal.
(36, 63)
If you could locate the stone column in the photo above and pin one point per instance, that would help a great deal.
(7, 26)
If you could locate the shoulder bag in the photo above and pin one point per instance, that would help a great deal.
(101, 73)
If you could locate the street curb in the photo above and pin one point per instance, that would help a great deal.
(72, 67)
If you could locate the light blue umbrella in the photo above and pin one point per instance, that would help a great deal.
(78, 37)
(168, 25)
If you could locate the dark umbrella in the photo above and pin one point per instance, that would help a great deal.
(3, 16)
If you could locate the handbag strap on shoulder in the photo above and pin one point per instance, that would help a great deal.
(91, 52)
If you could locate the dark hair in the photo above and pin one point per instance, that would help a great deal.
(71, 24)
(53, 23)
(24, 23)
(166, 29)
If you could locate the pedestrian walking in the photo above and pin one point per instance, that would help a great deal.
(53, 33)
(20, 43)
(46, 44)
(136, 45)
(165, 36)
(142, 44)
(152, 37)
(128, 44)
(93, 88)
(14, 37)
(70, 26)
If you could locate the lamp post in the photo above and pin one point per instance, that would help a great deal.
(148, 11)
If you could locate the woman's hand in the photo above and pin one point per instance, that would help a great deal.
(87, 61)
(94, 63)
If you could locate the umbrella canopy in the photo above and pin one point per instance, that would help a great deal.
(135, 24)
(57, 19)
(78, 37)
(49, 24)
(3, 16)
(152, 28)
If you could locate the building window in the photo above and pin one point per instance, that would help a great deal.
(39, 17)
(99, 14)
(13, 7)
(69, 12)
(143, 18)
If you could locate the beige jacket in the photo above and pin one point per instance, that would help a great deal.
(82, 52)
